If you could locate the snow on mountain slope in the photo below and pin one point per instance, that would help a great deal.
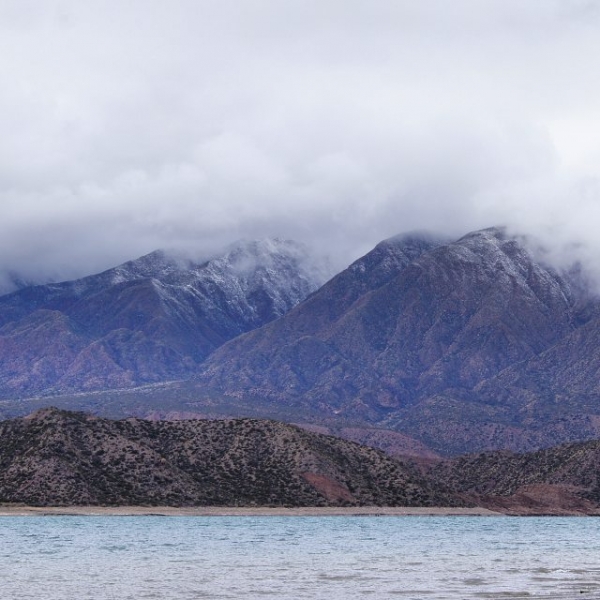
(147, 320)
(410, 350)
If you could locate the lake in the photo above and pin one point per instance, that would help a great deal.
(100, 558)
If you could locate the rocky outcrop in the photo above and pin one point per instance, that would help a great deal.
(56, 457)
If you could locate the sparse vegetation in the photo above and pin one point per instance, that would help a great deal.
(57, 457)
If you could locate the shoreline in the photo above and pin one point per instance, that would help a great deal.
(17, 510)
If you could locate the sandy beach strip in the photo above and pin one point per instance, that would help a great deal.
(17, 510)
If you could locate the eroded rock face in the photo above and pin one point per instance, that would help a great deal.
(152, 319)
(62, 458)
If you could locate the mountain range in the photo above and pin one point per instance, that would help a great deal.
(152, 319)
(466, 346)
(451, 346)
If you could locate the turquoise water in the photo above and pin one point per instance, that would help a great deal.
(60, 558)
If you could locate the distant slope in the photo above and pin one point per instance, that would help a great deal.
(567, 374)
(185, 399)
(61, 458)
(151, 319)
(418, 349)
(560, 479)
(300, 356)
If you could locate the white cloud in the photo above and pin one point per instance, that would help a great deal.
(128, 126)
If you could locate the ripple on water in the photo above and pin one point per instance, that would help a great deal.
(451, 558)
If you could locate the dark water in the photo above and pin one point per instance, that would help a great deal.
(59, 558)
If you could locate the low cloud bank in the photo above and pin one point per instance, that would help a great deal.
(187, 125)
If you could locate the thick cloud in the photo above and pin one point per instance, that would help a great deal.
(130, 126)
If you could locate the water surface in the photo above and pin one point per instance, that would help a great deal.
(333, 558)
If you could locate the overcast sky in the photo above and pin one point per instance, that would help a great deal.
(127, 126)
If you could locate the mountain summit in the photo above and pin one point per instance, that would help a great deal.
(151, 319)
(412, 337)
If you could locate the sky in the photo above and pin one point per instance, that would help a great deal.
(142, 124)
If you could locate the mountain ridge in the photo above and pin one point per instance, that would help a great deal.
(415, 353)
(151, 319)
(454, 346)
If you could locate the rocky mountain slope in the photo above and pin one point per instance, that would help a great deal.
(455, 347)
(151, 319)
(562, 479)
(56, 457)
(430, 340)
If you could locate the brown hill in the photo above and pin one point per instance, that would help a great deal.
(560, 480)
(56, 457)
